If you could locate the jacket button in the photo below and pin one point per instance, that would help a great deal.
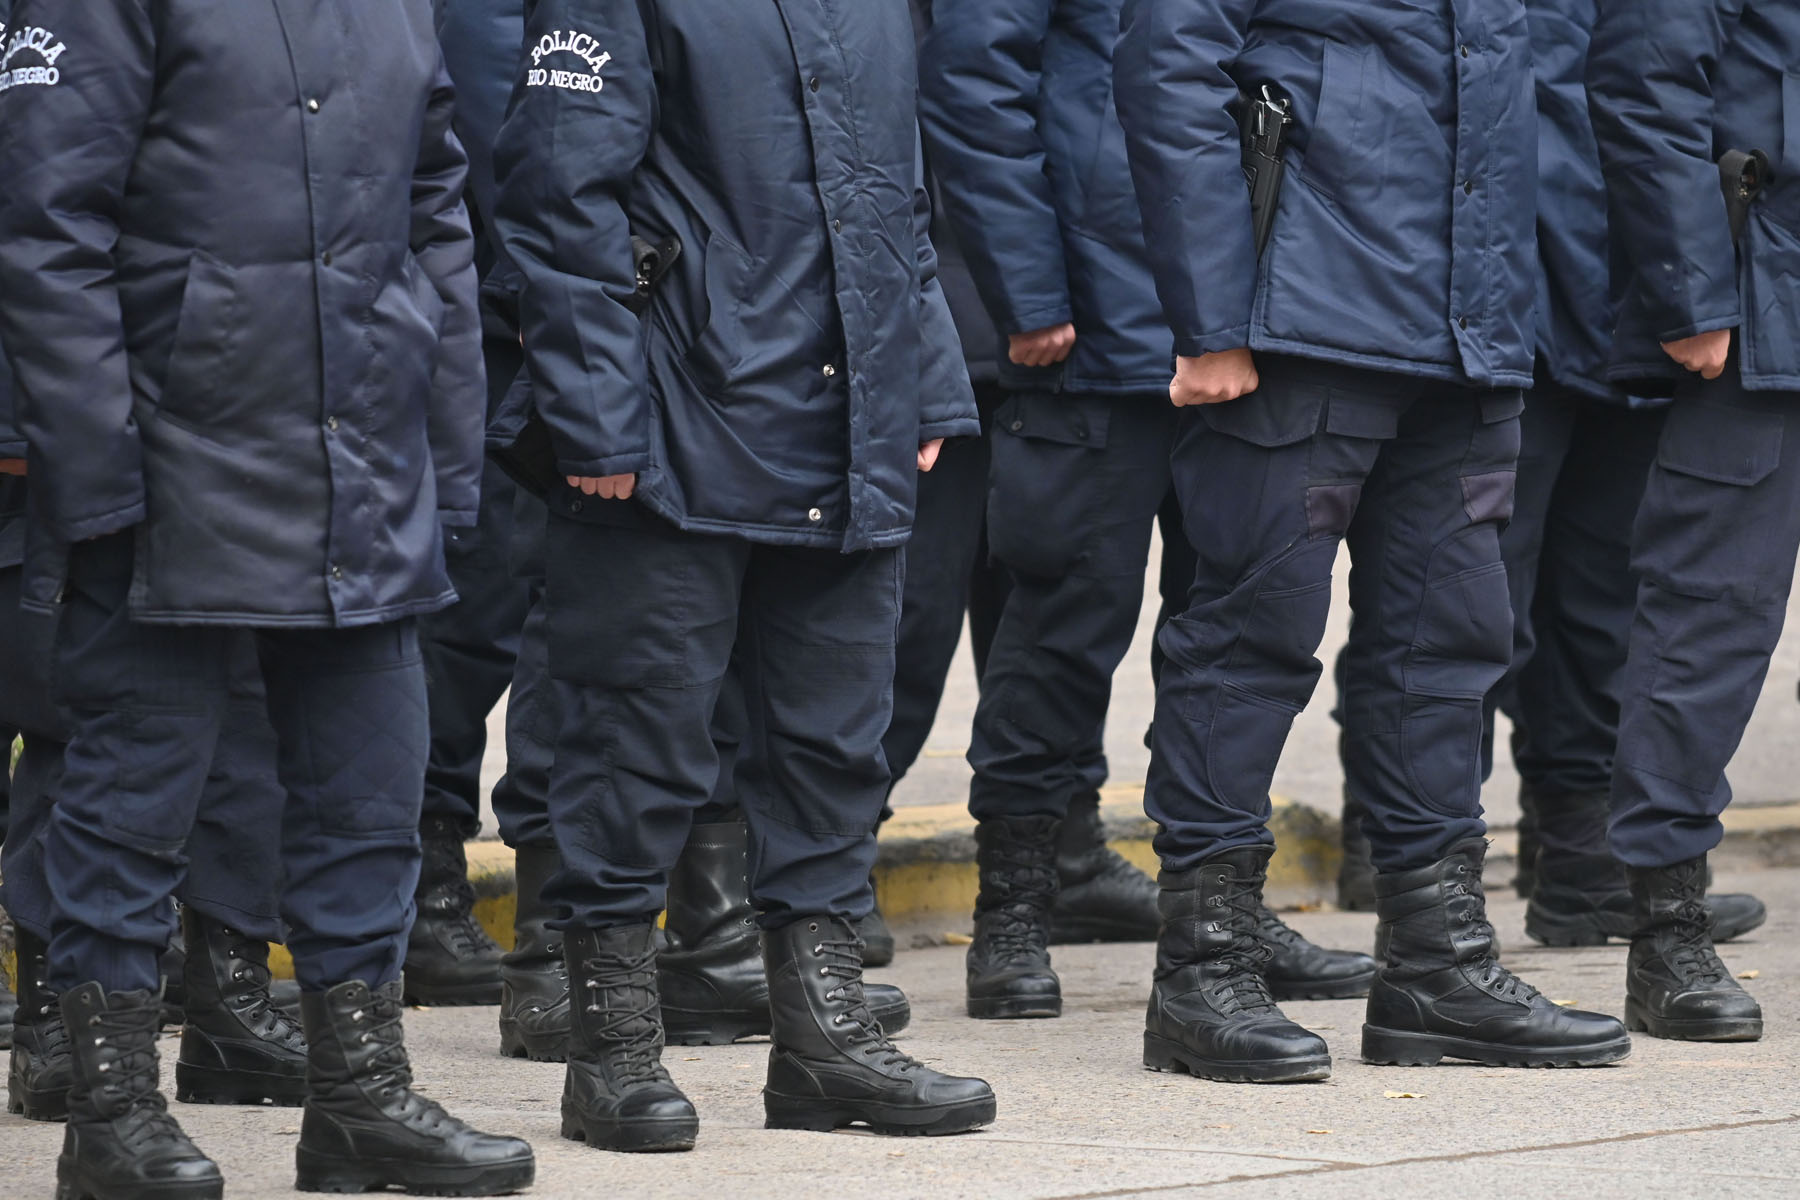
(1465, 50)
(312, 106)
(331, 424)
(1462, 322)
(1468, 187)
(337, 572)
(837, 227)
(325, 258)
(575, 505)
(813, 83)
(829, 370)
(814, 515)
(1016, 426)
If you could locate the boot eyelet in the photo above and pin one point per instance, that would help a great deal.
(825, 971)
(814, 927)
(357, 1015)
(105, 1067)
(365, 1039)
(819, 949)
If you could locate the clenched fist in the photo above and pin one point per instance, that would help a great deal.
(1213, 378)
(1041, 347)
(1704, 353)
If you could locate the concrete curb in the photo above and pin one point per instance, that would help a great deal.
(925, 873)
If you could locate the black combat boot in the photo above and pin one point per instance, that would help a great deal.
(1525, 876)
(366, 1130)
(710, 971)
(1580, 895)
(1009, 973)
(617, 1095)
(1210, 1010)
(1299, 970)
(121, 1143)
(1441, 993)
(534, 978)
(450, 959)
(1675, 985)
(1099, 896)
(877, 937)
(237, 1047)
(42, 1069)
(831, 1065)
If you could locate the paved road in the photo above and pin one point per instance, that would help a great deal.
(1079, 1118)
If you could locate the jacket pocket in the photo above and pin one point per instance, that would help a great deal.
(205, 336)
(715, 352)
(424, 294)
(1346, 152)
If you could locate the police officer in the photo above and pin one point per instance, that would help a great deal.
(1017, 98)
(236, 289)
(1719, 527)
(740, 468)
(1586, 449)
(1362, 382)
(471, 647)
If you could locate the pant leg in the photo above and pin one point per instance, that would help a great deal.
(145, 703)
(642, 619)
(1075, 487)
(1266, 496)
(1566, 695)
(817, 655)
(940, 567)
(1546, 428)
(470, 649)
(25, 893)
(1433, 629)
(1714, 550)
(989, 583)
(521, 798)
(349, 711)
(234, 856)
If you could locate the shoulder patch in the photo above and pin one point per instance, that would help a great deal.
(584, 46)
(30, 59)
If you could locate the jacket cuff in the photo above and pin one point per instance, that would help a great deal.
(613, 464)
(88, 528)
(1030, 320)
(956, 427)
(1194, 345)
(1694, 328)
(457, 518)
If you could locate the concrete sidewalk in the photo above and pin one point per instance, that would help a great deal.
(1080, 1118)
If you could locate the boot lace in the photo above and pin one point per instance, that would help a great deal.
(256, 1005)
(125, 1090)
(1689, 946)
(1017, 929)
(1469, 909)
(865, 1035)
(632, 1057)
(388, 1072)
(1243, 989)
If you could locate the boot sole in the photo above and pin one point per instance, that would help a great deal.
(514, 1044)
(1353, 988)
(1015, 1008)
(75, 1189)
(211, 1085)
(1555, 929)
(822, 1116)
(1714, 1029)
(331, 1174)
(1083, 932)
(465, 995)
(1160, 1054)
(632, 1137)
(711, 1028)
(49, 1107)
(1401, 1048)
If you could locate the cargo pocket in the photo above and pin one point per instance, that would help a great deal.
(1043, 501)
(1734, 446)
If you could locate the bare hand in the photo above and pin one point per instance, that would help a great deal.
(1041, 347)
(1704, 352)
(1213, 378)
(928, 453)
(16, 466)
(607, 487)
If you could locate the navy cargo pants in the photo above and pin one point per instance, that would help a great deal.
(1077, 482)
(233, 872)
(148, 706)
(1417, 477)
(1582, 467)
(1714, 549)
(643, 620)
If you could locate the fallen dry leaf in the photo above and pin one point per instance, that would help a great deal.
(957, 939)
(1749, 974)
(1563, 1003)
(1404, 1095)
(1318, 1131)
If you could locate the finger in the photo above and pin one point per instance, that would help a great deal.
(573, 481)
(1251, 382)
(627, 486)
(589, 486)
(1712, 370)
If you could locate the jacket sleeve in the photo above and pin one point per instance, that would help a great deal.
(946, 401)
(980, 74)
(566, 157)
(71, 136)
(445, 250)
(1174, 91)
(1649, 78)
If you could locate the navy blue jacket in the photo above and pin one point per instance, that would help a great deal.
(1404, 237)
(1575, 311)
(482, 41)
(800, 349)
(1017, 102)
(1674, 84)
(236, 286)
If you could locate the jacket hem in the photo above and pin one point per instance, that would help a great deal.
(776, 535)
(343, 620)
(1263, 343)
